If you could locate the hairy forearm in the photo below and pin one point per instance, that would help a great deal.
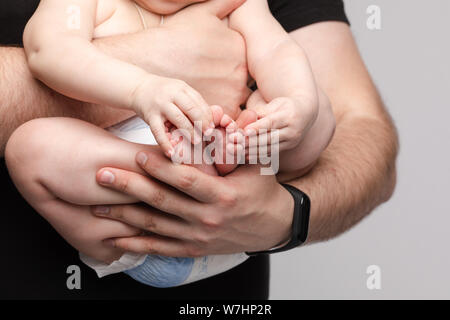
(22, 98)
(354, 175)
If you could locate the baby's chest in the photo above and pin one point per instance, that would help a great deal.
(116, 17)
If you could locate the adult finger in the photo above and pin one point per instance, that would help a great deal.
(145, 218)
(150, 192)
(154, 244)
(189, 180)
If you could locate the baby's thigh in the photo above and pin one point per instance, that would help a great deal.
(64, 155)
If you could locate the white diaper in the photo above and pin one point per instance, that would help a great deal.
(152, 270)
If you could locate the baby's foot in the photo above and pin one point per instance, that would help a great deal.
(233, 140)
(236, 138)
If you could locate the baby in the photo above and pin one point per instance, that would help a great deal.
(58, 46)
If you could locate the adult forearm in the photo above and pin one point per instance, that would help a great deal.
(354, 175)
(22, 98)
(357, 172)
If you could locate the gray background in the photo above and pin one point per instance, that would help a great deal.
(408, 237)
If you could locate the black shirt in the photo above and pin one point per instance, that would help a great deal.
(34, 258)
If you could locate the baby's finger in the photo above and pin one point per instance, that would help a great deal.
(198, 99)
(196, 109)
(217, 113)
(263, 139)
(257, 153)
(159, 132)
(272, 121)
(179, 120)
(262, 154)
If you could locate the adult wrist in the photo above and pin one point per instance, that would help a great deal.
(282, 213)
(288, 214)
(299, 225)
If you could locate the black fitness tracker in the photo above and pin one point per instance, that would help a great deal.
(300, 223)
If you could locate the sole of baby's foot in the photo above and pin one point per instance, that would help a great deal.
(245, 118)
(234, 141)
(237, 141)
(225, 162)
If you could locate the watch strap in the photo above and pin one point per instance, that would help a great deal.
(300, 223)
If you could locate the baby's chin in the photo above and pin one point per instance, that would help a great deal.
(163, 7)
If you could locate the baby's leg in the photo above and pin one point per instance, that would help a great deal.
(63, 155)
(54, 162)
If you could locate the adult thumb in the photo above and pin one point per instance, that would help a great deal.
(223, 8)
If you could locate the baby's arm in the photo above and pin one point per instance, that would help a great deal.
(277, 63)
(58, 45)
(285, 80)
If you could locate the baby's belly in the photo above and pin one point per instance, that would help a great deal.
(116, 17)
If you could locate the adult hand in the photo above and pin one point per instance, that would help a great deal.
(196, 214)
(215, 53)
(194, 45)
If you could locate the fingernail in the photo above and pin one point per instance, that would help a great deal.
(101, 210)
(212, 125)
(107, 177)
(142, 158)
(109, 243)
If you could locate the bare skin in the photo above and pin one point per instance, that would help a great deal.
(99, 148)
(289, 103)
(354, 175)
(215, 66)
(362, 154)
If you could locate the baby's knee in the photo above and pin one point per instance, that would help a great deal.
(27, 146)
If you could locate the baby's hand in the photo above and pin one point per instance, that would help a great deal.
(160, 100)
(291, 117)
